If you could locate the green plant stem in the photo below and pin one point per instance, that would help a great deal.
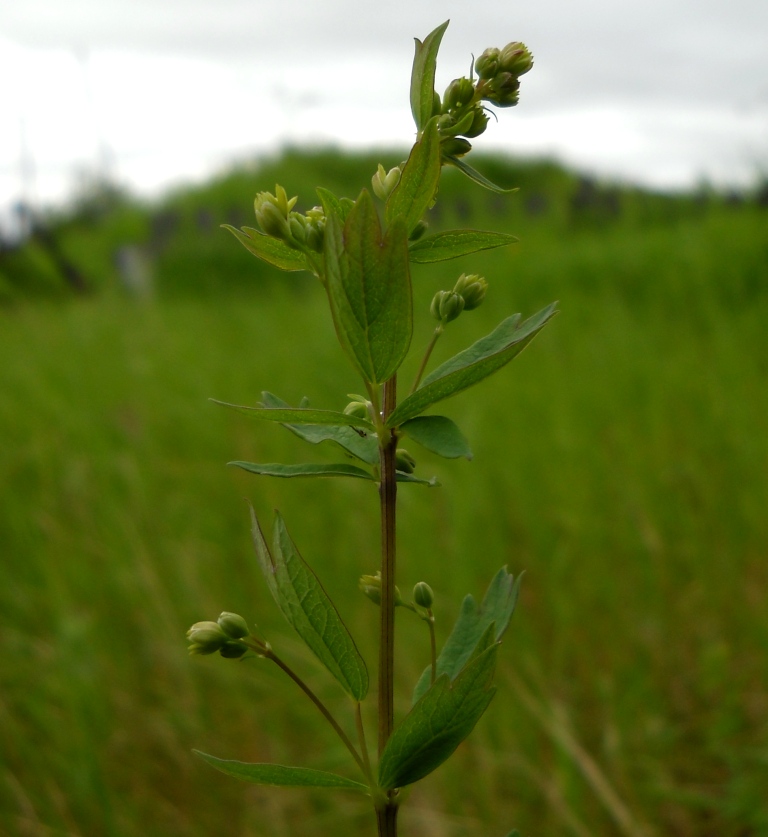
(425, 359)
(363, 745)
(432, 645)
(386, 815)
(270, 655)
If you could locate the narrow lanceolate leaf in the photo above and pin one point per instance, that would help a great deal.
(423, 75)
(403, 477)
(438, 434)
(454, 243)
(369, 289)
(355, 441)
(473, 623)
(331, 203)
(467, 368)
(438, 723)
(415, 191)
(279, 775)
(306, 606)
(300, 415)
(306, 469)
(475, 175)
(271, 250)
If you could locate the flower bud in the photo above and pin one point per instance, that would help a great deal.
(233, 625)
(455, 147)
(404, 461)
(423, 595)
(418, 231)
(359, 409)
(446, 306)
(269, 217)
(516, 59)
(503, 90)
(206, 638)
(436, 104)
(487, 65)
(232, 650)
(479, 123)
(458, 94)
(472, 289)
(384, 182)
(370, 585)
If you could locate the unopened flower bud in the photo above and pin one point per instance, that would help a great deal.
(384, 182)
(423, 595)
(269, 217)
(455, 147)
(297, 225)
(472, 289)
(502, 90)
(479, 123)
(458, 94)
(233, 625)
(516, 59)
(404, 461)
(446, 306)
(418, 231)
(206, 638)
(359, 409)
(370, 585)
(232, 650)
(487, 65)
(436, 104)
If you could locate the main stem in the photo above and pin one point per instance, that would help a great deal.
(386, 815)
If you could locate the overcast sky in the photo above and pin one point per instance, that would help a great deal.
(665, 92)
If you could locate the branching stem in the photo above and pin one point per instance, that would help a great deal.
(270, 655)
(425, 359)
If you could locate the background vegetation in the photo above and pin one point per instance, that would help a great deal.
(621, 462)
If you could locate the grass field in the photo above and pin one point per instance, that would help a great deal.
(621, 462)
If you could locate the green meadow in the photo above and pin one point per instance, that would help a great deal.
(621, 461)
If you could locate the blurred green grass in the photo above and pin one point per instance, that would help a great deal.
(621, 462)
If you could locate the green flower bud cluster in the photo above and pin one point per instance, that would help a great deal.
(467, 294)
(499, 71)
(370, 586)
(223, 636)
(461, 114)
(275, 216)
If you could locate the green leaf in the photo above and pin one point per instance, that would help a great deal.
(341, 206)
(472, 625)
(439, 435)
(415, 191)
(276, 469)
(423, 75)
(358, 443)
(454, 243)
(306, 606)
(280, 776)
(269, 249)
(438, 723)
(300, 415)
(469, 367)
(369, 289)
(401, 476)
(475, 175)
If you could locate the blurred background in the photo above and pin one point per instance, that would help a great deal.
(620, 461)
